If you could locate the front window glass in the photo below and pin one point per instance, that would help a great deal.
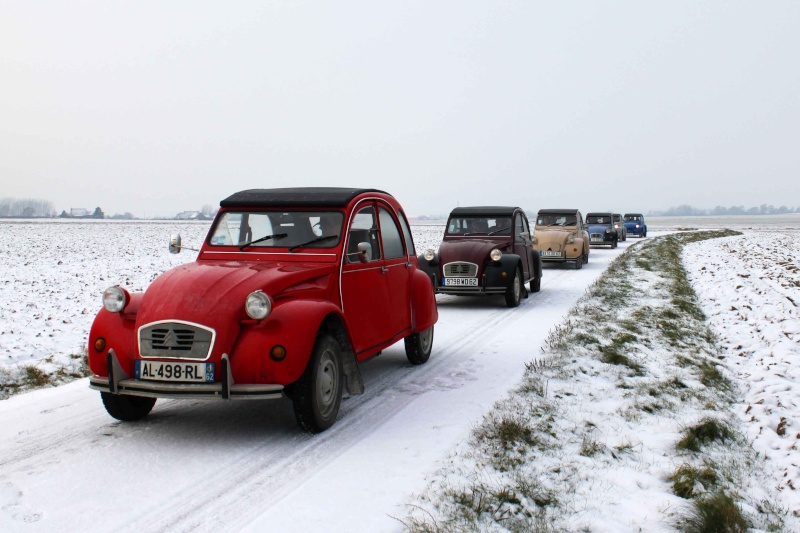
(557, 220)
(407, 234)
(633, 217)
(479, 226)
(278, 229)
(598, 219)
(363, 230)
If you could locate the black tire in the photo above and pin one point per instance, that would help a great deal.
(419, 346)
(579, 262)
(536, 284)
(586, 258)
(514, 290)
(317, 395)
(613, 244)
(127, 408)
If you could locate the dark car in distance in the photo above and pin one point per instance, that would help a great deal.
(635, 225)
(485, 250)
(601, 229)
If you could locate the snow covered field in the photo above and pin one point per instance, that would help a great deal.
(244, 465)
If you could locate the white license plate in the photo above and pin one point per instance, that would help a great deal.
(597, 240)
(460, 282)
(550, 253)
(179, 372)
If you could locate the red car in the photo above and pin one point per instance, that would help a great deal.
(291, 289)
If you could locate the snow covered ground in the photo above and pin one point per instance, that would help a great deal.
(195, 465)
(750, 291)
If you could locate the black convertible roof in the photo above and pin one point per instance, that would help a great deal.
(486, 210)
(295, 197)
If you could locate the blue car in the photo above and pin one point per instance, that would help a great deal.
(634, 222)
(601, 229)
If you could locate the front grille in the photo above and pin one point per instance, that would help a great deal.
(179, 340)
(460, 270)
(596, 236)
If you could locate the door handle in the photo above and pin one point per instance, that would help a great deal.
(384, 270)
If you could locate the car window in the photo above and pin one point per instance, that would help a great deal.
(519, 227)
(364, 228)
(598, 219)
(390, 236)
(477, 225)
(407, 234)
(556, 220)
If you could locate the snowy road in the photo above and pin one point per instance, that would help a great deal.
(66, 465)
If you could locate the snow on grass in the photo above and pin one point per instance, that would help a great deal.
(749, 287)
(623, 424)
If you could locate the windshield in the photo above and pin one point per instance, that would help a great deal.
(277, 229)
(557, 220)
(633, 217)
(479, 226)
(598, 219)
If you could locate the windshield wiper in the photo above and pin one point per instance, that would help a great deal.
(260, 239)
(498, 230)
(312, 241)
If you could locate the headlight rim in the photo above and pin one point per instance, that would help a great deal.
(495, 254)
(118, 304)
(429, 254)
(258, 305)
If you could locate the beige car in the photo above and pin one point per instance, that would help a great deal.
(560, 236)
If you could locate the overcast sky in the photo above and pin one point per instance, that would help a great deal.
(158, 107)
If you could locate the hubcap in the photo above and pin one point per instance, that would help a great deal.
(425, 338)
(327, 383)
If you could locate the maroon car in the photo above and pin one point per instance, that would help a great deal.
(486, 250)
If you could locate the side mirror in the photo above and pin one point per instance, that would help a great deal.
(175, 243)
(525, 235)
(364, 252)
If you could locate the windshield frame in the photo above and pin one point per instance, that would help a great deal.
(301, 226)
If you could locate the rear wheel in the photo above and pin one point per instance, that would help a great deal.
(418, 346)
(514, 291)
(127, 408)
(317, 395)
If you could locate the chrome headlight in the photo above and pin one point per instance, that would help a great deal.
(115, 299)
(429, 254)
(534, 240)
(495, 254)
(637, 225)
(570, 239)
(257, 305)
(608, 230)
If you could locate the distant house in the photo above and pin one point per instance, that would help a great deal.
(78, 212)
(191, 215)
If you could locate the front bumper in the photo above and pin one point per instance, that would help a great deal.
(480, 288)
(118, 382)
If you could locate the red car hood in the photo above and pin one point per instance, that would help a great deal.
(470, 250)
(212, 293)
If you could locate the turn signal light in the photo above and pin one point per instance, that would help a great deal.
(99, 344)
(278, 353)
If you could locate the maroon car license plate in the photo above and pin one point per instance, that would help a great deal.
(460, 282)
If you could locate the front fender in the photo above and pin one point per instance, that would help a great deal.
(424, 311)
(292, 324)
(119, 332)
(501, 273)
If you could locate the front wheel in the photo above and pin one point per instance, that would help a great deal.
(127, 408)
(514, 291)
(317, 395)
(419, 346)
(536, 284)
(579, 262)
